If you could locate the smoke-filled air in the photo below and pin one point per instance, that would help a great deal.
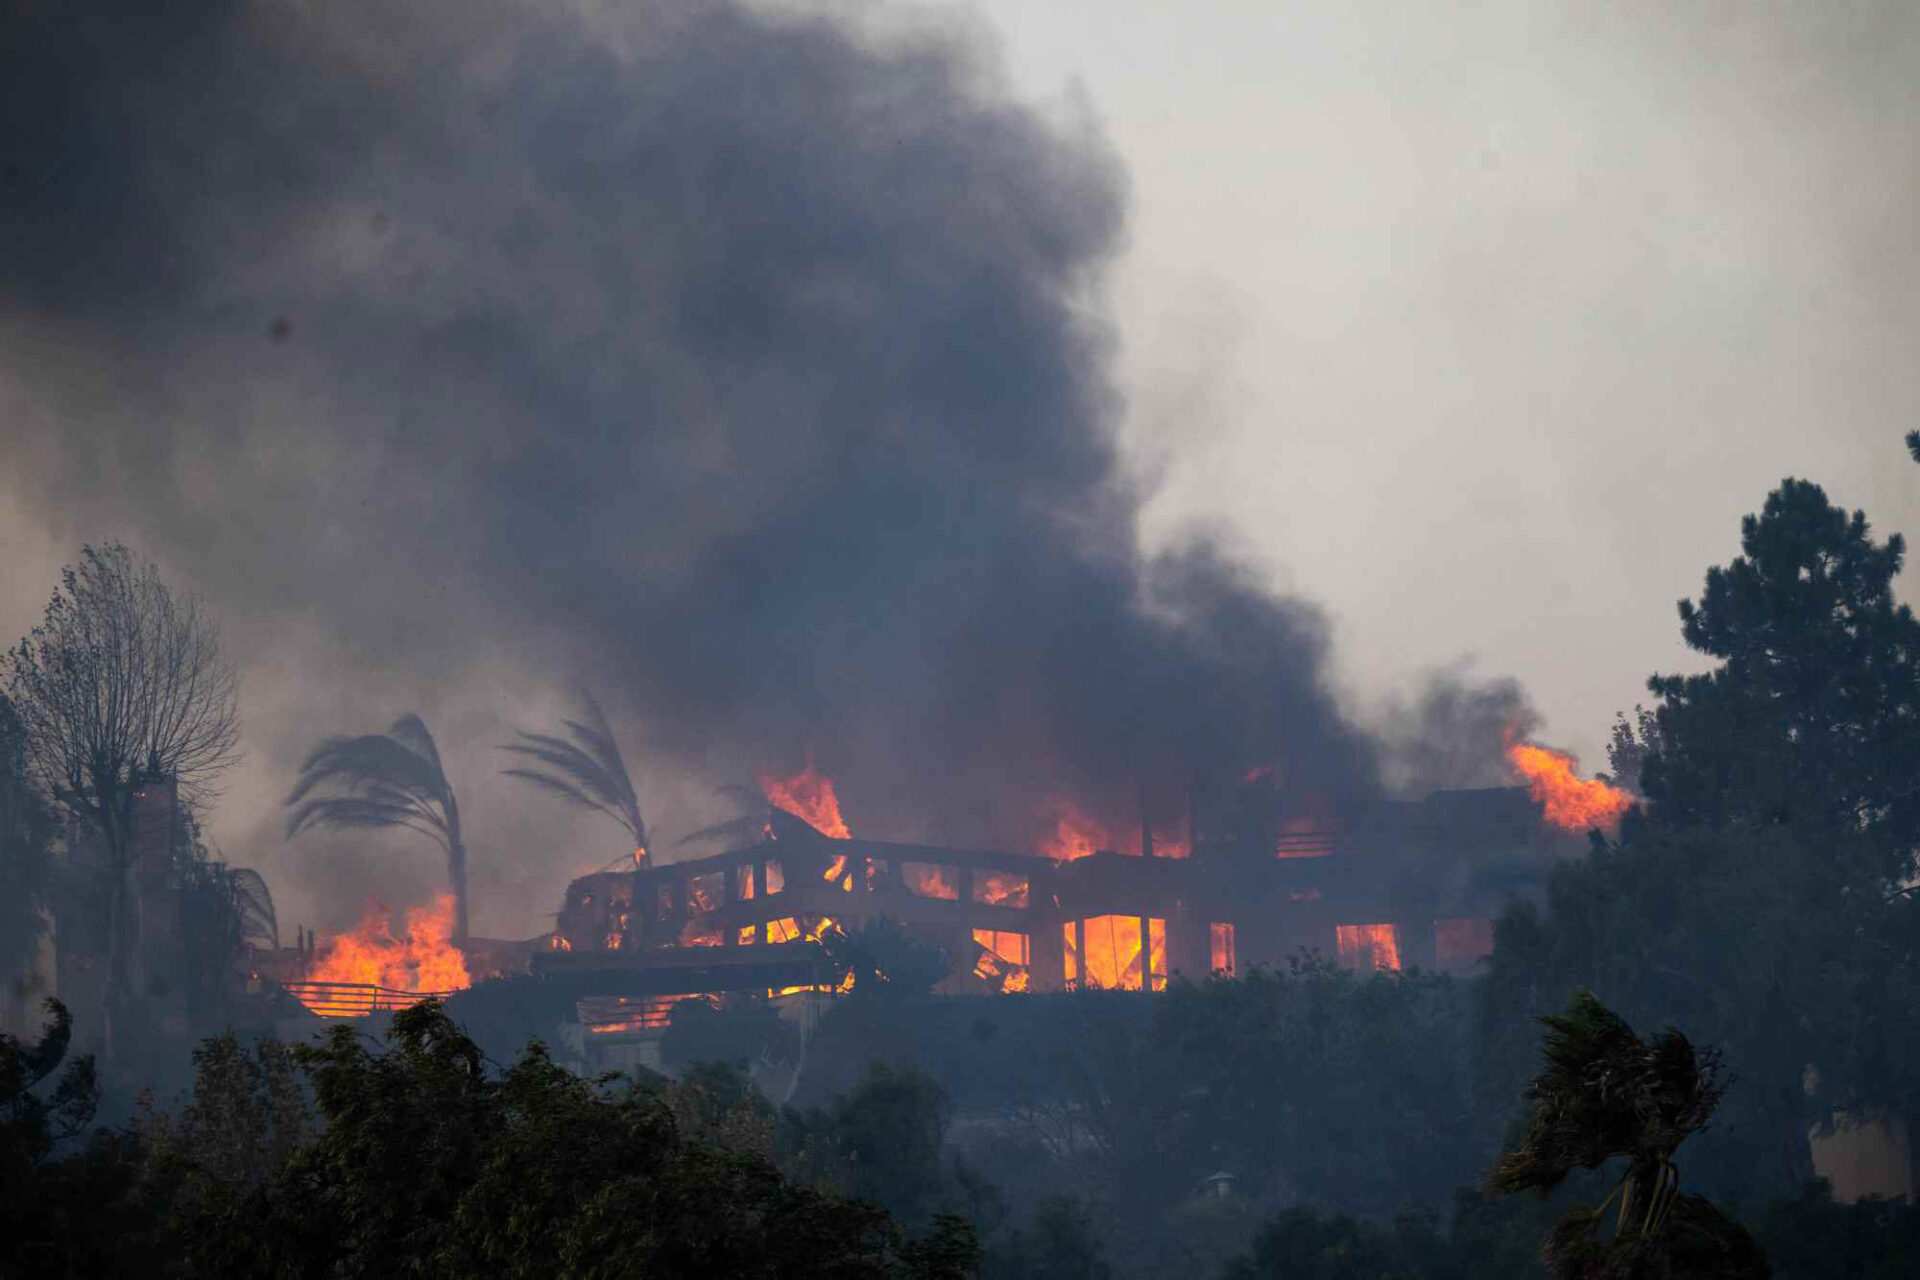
(632, 605)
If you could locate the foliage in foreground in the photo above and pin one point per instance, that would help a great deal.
(421, 1161)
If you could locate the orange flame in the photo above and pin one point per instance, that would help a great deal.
(1077, 834)
(930, 880)
(808, 795)
(1106, 952)
(424, 960)
(1567, 800)
(1074, 835)
(1004, 959)
(1001, 889)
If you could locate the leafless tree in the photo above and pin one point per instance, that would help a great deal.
(385, 780)
(121, 685)
(584, 768)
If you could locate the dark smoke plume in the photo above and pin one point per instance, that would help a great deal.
(744, 367)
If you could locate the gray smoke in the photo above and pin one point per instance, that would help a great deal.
(1454, 732)
(745, 367)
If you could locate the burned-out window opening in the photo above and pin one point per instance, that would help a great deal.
(704, 892)
(1001, 889)
(1367, 947)
(930, 880)
(1004, 960)
(1220, 945)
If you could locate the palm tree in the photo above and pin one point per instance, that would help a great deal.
(391, 779)
(585, 768)
(1604, 1093)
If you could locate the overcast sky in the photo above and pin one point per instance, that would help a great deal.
(1477, 326)
(1484, 323)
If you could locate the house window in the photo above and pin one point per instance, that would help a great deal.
(703, 892)
(1011, 947)
(1367, 947)
(1001, 889)
(1221, 938)
(773, 876)
(1004, 959)
(1123, 953)
(700, 932)
(1459, 945)
(930, 880)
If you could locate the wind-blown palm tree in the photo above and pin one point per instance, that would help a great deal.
(377, 780)
(1604, 1093)
(584, 768)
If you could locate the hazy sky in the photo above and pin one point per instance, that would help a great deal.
(1479, 326)
(1484, 324)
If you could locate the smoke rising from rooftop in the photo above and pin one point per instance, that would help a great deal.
(747, 368)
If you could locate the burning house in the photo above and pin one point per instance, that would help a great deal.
(1409, 884)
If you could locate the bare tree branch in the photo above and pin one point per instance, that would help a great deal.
(122, 684)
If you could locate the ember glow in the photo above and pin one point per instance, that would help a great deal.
(1076, 834)
(423, 960)
(1001, 889)
(1368, 946)
(930, 880)
(1220, 942)
(1566, 799)
(808, 795)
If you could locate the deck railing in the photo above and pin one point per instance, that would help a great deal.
(355, 999)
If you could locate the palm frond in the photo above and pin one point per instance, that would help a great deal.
(368, 760)
(356, 813)
(375, 780)
(584, 768)
(410, 731)
(565, 758)
(253, 902)
(566, 791)
(384, 780)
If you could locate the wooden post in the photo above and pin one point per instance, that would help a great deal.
(1146, 823)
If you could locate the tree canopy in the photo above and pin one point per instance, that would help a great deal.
(123, 681)
(1811, 716)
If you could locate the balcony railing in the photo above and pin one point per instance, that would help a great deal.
(355, 999)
